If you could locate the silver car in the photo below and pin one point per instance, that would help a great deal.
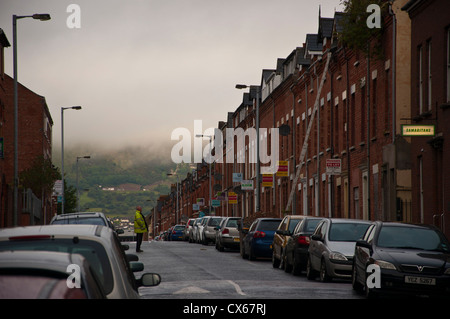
(332, 247)
(227, 235)
(209, 231)
(98, 244)
(45, 275)
(193, 233)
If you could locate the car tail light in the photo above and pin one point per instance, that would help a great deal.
(303, 240)
(259, 234)
(225, 231)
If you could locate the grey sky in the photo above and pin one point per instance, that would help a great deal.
(141, 68)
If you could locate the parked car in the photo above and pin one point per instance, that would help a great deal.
(44, 275)
(188, 228)
(296, 251)
(332, 246)
(199, 231)
(412, 259)
(209, 231)
(177, 232)
(98, 244)
(84, 218)
(258, 239)
(227, 234)
(194, 231)
(282, 235)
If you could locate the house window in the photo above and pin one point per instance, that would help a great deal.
(420, 79)
(429, 85)
(448, 64)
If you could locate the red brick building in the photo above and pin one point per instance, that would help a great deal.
(357, 120)
(35, 139)
(430, 105)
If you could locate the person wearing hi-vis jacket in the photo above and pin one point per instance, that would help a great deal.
(140, 227)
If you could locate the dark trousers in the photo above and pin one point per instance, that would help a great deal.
(139, 237)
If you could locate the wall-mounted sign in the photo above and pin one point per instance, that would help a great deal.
(283, 168)
(201, 201)
(418, 130)
(267, 180)
(333, 167)
(247, 185)
(232, 198)
(237, 177)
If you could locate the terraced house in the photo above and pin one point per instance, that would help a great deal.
(339, 112)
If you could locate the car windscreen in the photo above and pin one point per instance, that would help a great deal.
(214, 221)
(347, 231)
(232, 223)
(179, 228)
(311, 225)
(293, 224)
(80, 221)
(93, 251)
(412, 238)
(269, 225)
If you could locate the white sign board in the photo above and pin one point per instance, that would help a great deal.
(334, 166)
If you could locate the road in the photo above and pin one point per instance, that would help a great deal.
(193, 271)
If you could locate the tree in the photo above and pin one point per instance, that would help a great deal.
(40, 176)
(70, 197)
(357, 29)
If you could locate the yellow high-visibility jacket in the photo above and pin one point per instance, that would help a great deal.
(139, 223)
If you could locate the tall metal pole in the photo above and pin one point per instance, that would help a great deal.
(16, 124)
(62, 159)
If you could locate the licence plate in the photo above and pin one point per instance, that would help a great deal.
(237, 239)
(420, 280)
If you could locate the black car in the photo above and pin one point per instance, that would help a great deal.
(402, 258)
(296, 251)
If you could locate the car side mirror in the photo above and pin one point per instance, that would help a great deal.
(136, 266)
(132, 257)
(120, 231)
(317, 237)
(149, 280)
(363, 243)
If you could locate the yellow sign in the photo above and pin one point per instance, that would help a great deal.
(232, 198)
(283, 168)
(267, 180)
(418, 130)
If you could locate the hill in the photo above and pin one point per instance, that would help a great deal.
(114, 182)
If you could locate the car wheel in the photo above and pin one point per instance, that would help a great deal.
(310, 272)
(324, 277)
(296, 267)
(355, 283)
(275, 261)
(286, 264)
(370, 293)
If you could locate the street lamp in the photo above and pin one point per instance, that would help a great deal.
(210, 151)
(42, 17)
(78, 191)
(258, 177)
(62, 150)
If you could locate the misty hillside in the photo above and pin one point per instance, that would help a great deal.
(116, 181)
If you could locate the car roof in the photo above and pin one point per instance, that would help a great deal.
(80, 215)
(346, 220)
(91, 231)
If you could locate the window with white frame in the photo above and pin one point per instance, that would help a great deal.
(448, 64)
(420, 79)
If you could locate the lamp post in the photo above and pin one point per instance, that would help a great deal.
(78, 191)
(258, 175)
(210, 150)
(62, 150)
(42, 17)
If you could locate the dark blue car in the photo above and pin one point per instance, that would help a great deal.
(177, 232)
(258, 240)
